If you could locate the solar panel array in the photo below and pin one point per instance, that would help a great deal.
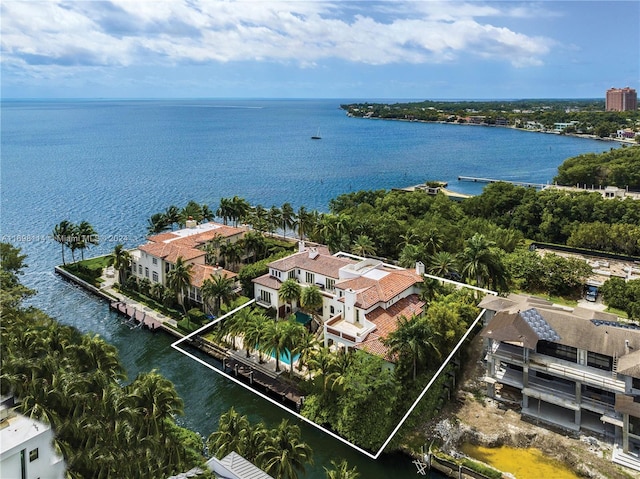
(615, 324)
(542, 329)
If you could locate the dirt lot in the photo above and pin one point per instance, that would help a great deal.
(485, 422)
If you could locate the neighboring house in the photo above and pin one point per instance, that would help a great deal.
(574, 369)
(234, 466)
(154, 259)
(362, 298)
(26, 448)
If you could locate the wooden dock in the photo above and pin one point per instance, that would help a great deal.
(262, 379)
(475, 179)
(135, 317)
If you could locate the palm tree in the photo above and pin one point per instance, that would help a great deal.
(275, 341)
(179, 279)
(238, 324)
(285, 454)
(480, 262)
(289, 292)
(321, 362)
(239, 209)
(192, 211)
(207, 214)
(231, 253)
(172, 215)
(254, 244)
(341, 471)
(120, 259)
(156, 399)
(363, 246)
(218, 288)
(87, 236)
(157, 224)
(259, 218)
(256, 331)
(224, 211)
(61, 233)
(293, 332)
(274, 219)
(413, 342)
(311, 300)
(410, 254)
(212, 248)
(303, 221)
(226, 439)
(288, 217)
(443, 264)
(305, 347)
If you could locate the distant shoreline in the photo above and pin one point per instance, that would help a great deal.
(622, 141)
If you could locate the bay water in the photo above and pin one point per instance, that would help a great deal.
(116, 162)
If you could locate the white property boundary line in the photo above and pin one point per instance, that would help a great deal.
(308, 421)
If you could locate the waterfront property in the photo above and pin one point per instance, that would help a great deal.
(574, 369)
(362, 299)
(26, 446)
(196, 245)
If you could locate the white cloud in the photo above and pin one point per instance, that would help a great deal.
(126, 32)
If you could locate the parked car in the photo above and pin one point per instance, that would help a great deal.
(592, 293)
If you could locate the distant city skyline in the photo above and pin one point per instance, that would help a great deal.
(313, 49)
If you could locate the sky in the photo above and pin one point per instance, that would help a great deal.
(418, 49)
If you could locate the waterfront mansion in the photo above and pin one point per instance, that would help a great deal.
(362, 298)
(154, 259)
(572, 368)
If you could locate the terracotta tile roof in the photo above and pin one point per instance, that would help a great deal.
(323, 264)
(170, 252)
(162, 237)
(386, 321)
(268, 281)
(371, 291)
(200, 272)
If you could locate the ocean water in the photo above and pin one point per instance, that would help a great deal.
(114, 163)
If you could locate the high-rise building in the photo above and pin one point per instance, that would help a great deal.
(621, 99)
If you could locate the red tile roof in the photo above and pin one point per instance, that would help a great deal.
(200, 272)
(268, 281)
(386, 321)
(371, 291)
(170, 252)
(323, 264)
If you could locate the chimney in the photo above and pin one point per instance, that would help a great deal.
(191, 223)
(301, 247)
(350, 305)
(626, 346)
(420, 268)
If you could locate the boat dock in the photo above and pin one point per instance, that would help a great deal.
(475, 179)
(135, 317)
(261, 378)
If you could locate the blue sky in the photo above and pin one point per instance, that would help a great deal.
(315, 49)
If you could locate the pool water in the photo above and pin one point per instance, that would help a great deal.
(302, 318)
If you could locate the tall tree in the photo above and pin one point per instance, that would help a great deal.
(481, 263)
(290, 291)
(285, 455)
(218, 288)
(363, 246)
(61, 233)
(179, 279)
(120, 259)
(413, 342)
(87, 236)
(288, 217)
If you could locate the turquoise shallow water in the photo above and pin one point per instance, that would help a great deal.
(114, 163)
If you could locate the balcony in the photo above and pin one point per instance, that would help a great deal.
(576, 372)
(508, 353)
(352, 332)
